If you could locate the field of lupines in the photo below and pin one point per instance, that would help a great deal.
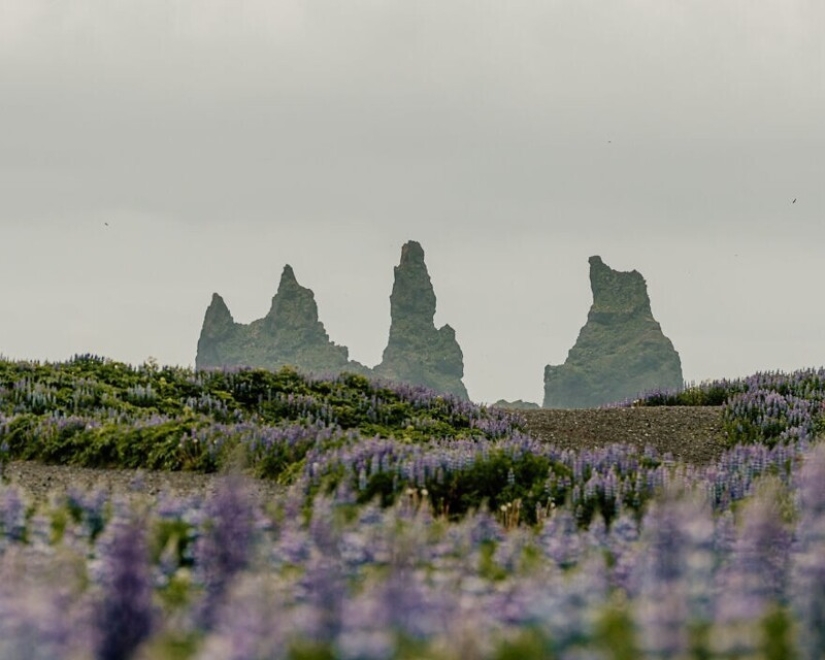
(412, 525)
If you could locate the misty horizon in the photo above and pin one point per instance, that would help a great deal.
(156, 153)
(250, 314)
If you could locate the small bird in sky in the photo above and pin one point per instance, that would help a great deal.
(107, 224)
(794, 201)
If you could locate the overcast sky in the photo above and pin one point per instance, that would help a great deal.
(222, 139)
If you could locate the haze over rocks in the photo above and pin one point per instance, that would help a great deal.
(417, 351)
(291, 333)
(620, 352)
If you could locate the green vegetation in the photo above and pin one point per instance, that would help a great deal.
(377, 440)
(95, 412)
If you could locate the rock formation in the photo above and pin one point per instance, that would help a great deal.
(417, 352)
(621, 350)
(518, 404)
(217, 345)
(290, 334)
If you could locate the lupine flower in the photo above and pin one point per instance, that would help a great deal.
(808, 593)
(32, 625)
(755, 578)
(12, 516)
(125, 614)
(224, 548)
(250, 625)
(675, 571)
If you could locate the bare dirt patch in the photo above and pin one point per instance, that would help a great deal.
(41, 482)
(690, 433)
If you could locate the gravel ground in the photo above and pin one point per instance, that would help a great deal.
(693, 434)
(40, 481)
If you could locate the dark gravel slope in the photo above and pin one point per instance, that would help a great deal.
(690, 433)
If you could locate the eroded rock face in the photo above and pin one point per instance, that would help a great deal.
(219, 331)
(417, 352)
(621, 350)
(290, 334)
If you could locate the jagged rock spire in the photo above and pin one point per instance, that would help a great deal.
(417, 352)
(413, 298)
(218, 329)
(290, 334)
(617, 294)
(293, 315)
(621, 350)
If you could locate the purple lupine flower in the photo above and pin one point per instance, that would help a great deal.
(621, 541)
(363, 635)
(808, 577)
(406, 607)
(323, 591)
(323, 530)
(675, 573)
(12, 516)
(33, 625)
(483, 527)
(755, 578)
(125, 614)
(663, 602)
(224, 548)
(560, 540)
(564, 604)
(724, 537)
(251, 625)
(92, 507)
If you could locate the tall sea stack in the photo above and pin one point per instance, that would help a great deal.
(621, 350)
(417, 352)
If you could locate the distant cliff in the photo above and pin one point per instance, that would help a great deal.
(291, 334)
(621, 350)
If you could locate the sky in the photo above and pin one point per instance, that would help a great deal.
(153, 152)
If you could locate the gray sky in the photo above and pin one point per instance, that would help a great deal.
(221, 139)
